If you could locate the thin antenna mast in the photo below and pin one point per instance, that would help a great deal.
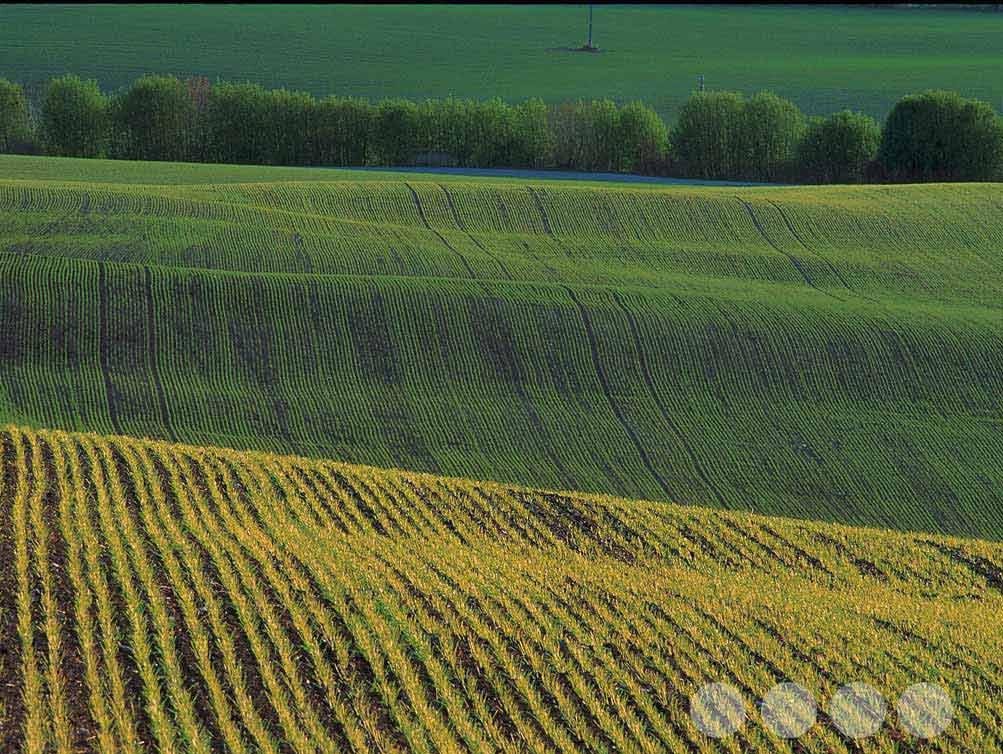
(588, 46)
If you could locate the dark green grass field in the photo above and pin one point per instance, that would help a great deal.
(831, 353)
(834, 57)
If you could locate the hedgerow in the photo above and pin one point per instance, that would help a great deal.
(720, 135)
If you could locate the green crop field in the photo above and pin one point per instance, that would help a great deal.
(833, 57)
(828, 353)
(173, 598)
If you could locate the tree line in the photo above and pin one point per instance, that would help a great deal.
(935, 135)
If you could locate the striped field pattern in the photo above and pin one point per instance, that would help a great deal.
(827, 353)
(172, 598)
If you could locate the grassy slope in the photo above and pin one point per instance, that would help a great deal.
(826, 353)
(293, 604)
(833, 57)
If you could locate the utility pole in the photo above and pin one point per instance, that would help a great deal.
(588, 46)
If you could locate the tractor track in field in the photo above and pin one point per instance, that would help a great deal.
(666, 416)
(793, 259)
(424, 219)
(301, 254)
(816, 253)
(543, 212)
(104, 348)
(151, 344)
(608, 393)
(478, 244)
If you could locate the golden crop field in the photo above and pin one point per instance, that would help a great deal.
(174, 598)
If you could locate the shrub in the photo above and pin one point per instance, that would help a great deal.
(154, 118)
(288, 122)
(939, 135)
(707, 137)
(533, 141)
(341, 132)
(492, 133)
(838, 149)
(74, 118)
(769, 133)
(395, 132)
(586, 135)
(643, 139)
(15, 127)
(237, 124)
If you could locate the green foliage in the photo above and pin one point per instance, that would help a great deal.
(492, 133)
(533, 140)
(643, 139)
(826, 57)
(770, 130)
(154, 117)
(290, 121)
(586, 136)
(237, 124)
(720, 135)
(708, 135)
(939, 135)
(75, 118)
(395, 132)
(15, 127)
(839, 148)
(342, 131)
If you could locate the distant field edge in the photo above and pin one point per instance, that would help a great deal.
(38, 167)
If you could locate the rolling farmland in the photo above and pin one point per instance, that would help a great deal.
(834, 57)
(826, 353)
(493, 460)
(184, 599)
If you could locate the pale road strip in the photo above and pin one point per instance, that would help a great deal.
(563, 175)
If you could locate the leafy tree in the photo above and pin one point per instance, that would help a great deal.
(15, 129)
(75, 119)
(199, 91)
(155, 116)
(770, 131)
(493, 132)
(237, 124)
(939, 135)
(444, 129)
(605, 151)
(395, 132)
(838, 149)
(288, 122)
(707, 137)
(342, 131)
(533, 140)
(643, 139)
(454, 120)
(586, 135)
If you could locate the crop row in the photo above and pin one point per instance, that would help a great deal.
(174, 598)
(852, 245)
(797, 405)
